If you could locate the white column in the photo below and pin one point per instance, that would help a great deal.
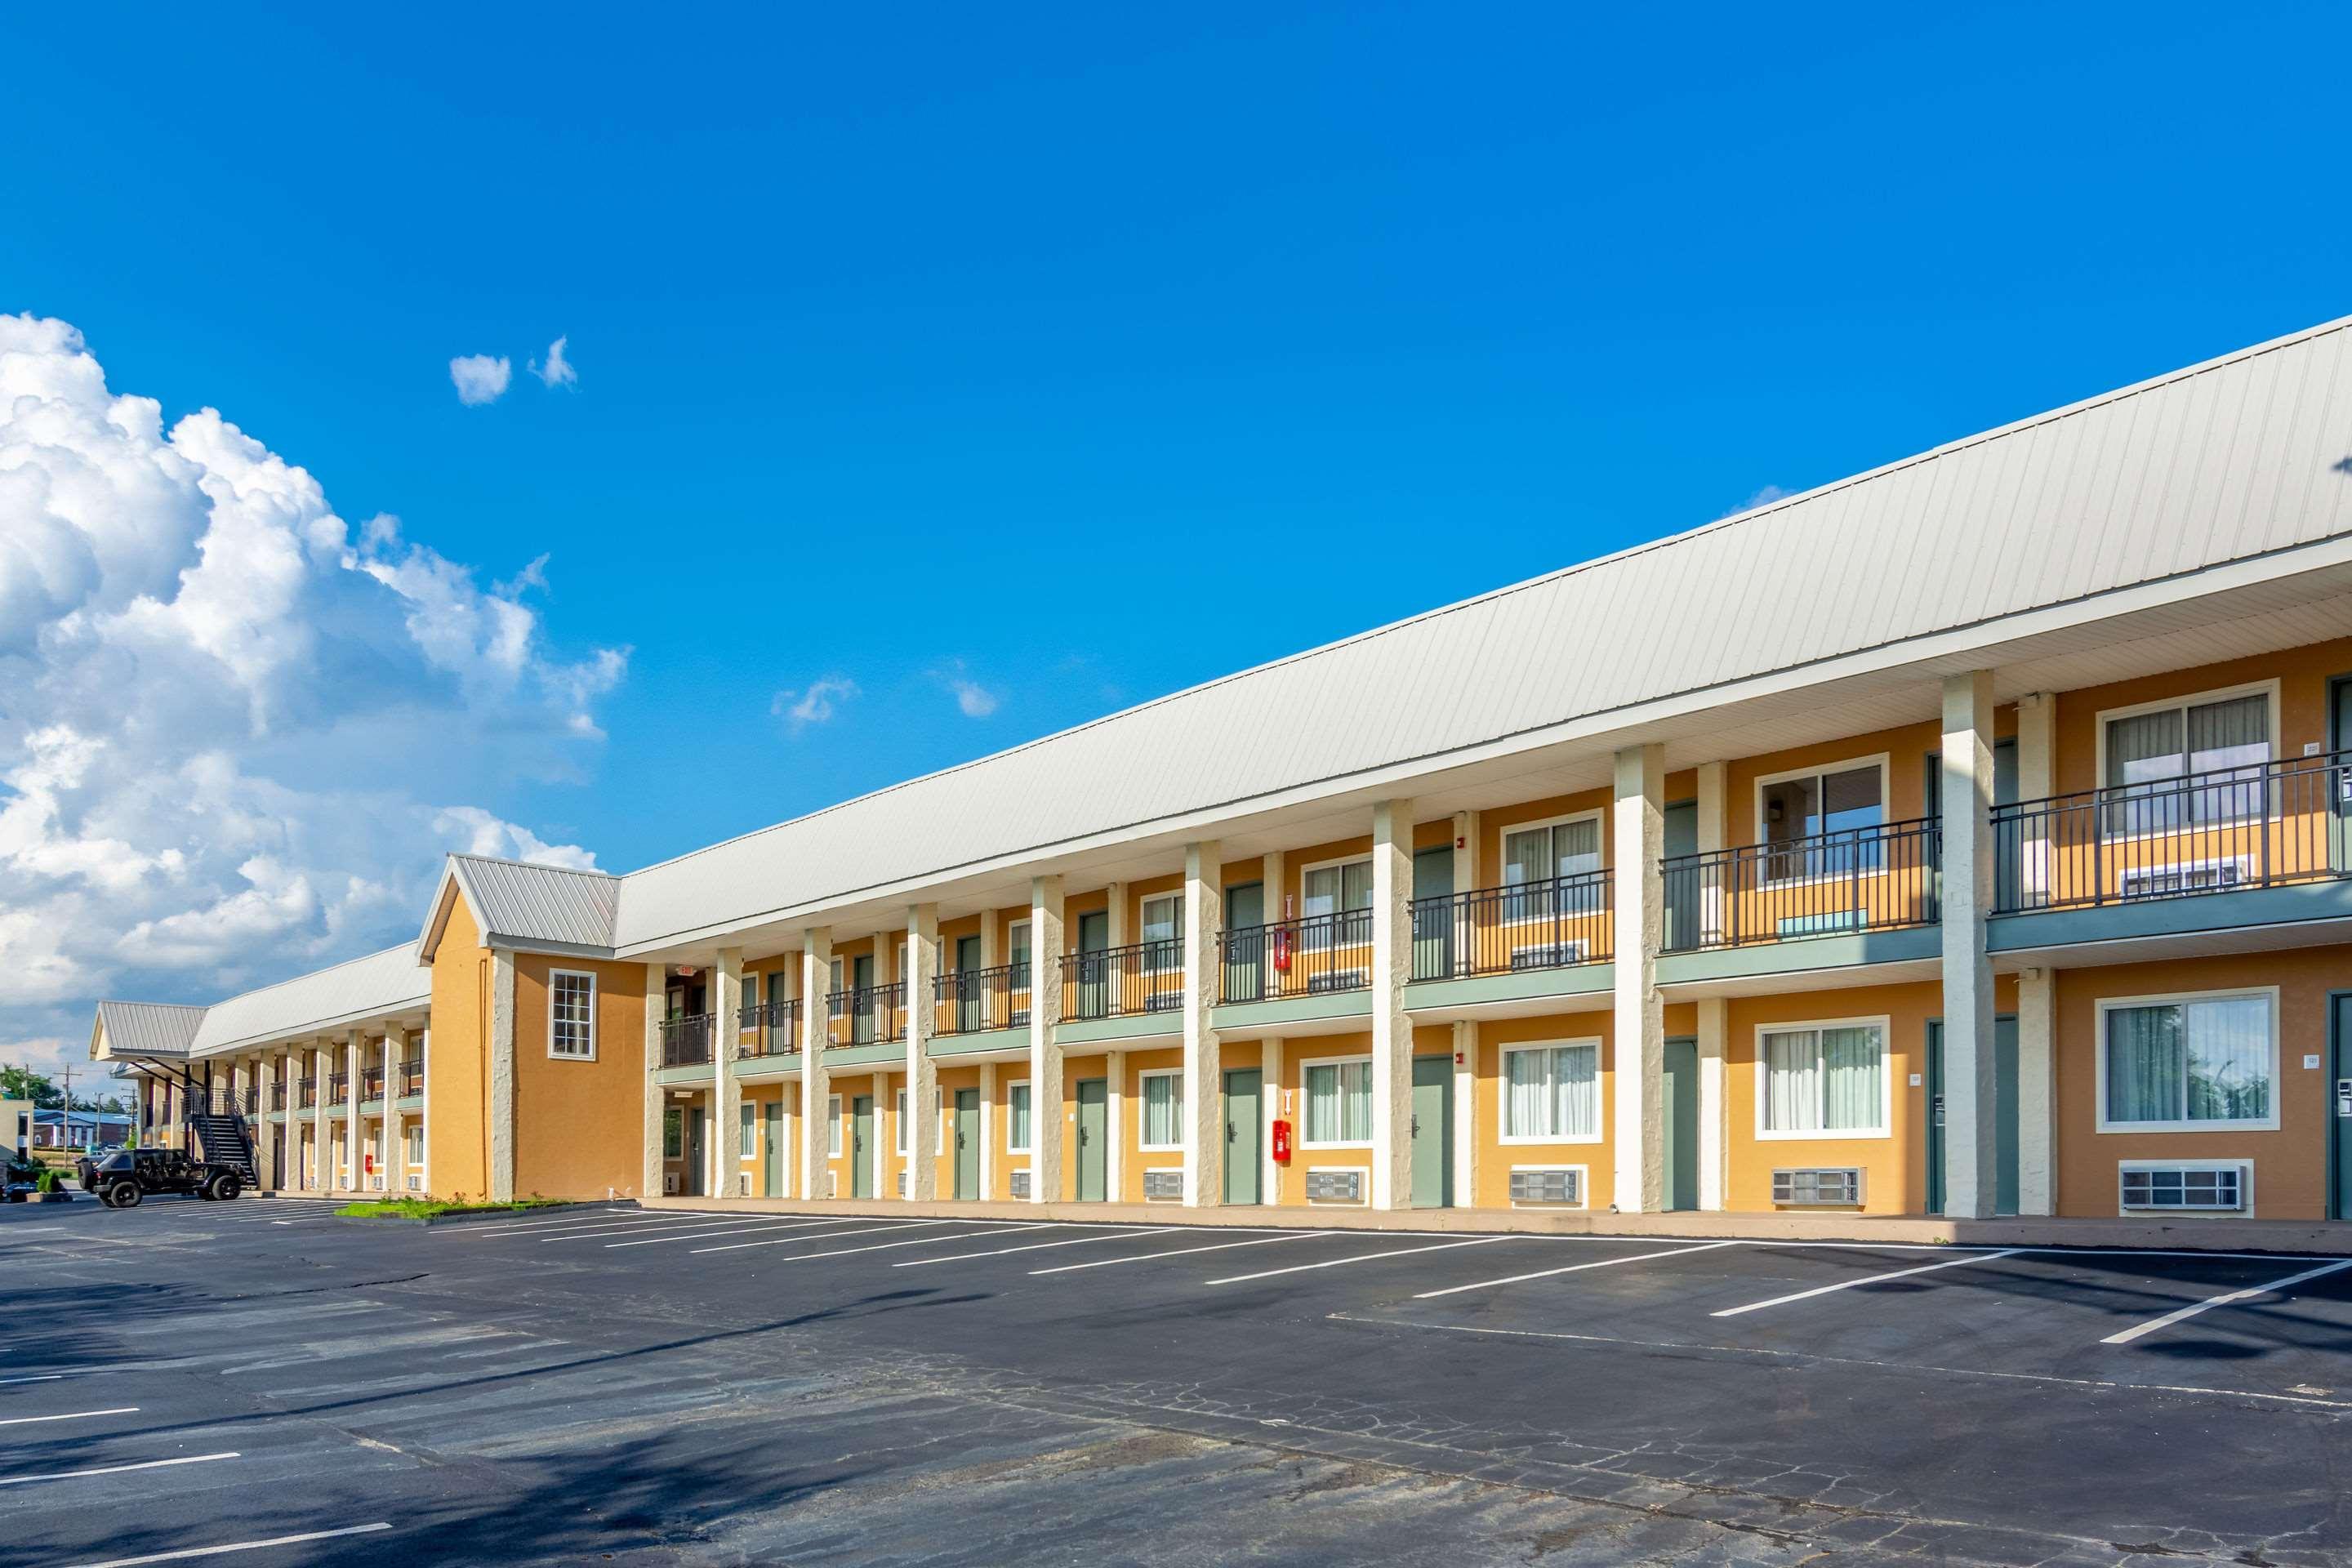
(657, 1096)
(1046, 943)
(1711, 825)
(880, 1003)
(1639, 1026)
(1714, 1102)
(988, 1134)
(322, 1149)
(816, 1084)
(878, 1157)
(922, 1073)
(1971, 1088)
(354, 1067)
(395, 1132)
(2037, 1092)
(1270, 1100)
(424, 1113)
(1466, 1114)
(502, 1075)
(2037, 754)
(264, 1132)
(1204, 1079)
(1115, 1116)
(726, 1093)
(1391, 1029)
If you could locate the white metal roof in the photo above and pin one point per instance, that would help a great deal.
(382, 984)
(518, 904)
(146, 1028)
(2233, 460)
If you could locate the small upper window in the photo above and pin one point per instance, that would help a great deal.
(2200, 761)
(572, 1015)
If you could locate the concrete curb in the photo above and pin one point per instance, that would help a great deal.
(550, 1210)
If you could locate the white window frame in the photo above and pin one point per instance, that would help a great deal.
(1318, 940)
(668, 1111)
(1503, 849)
(1884, 1024)
(1143, 1121)
(2267, 690)
(835, 1138)
(1763, 844)
(899, 1116)
(747, 1130)
(1331, 1061)
(1010, 1146)
(1144, 902)
(1502, 1133)
(2106, 1004)
(553, 977)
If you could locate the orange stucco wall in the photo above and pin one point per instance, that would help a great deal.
(579, 1125)
(456, 1086)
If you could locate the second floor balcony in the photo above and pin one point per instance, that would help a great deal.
(1884, 877)
(338, 1084)
(866, 1014)
(372, 1084)
(974, 1000)
(686, 1040)
(1312, 956)
(1139, 978)
(774, 1026)
(306, 1093)
(411, 1077)
(1557, 923)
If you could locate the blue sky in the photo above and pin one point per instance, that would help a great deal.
(1041, 347)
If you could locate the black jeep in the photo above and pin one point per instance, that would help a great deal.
(122, 1178)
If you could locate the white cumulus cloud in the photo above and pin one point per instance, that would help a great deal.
(813, 705)
(481, 379)
(236, 733)
(972, 699)
(557, 371)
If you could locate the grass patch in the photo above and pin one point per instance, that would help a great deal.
(427, 1208)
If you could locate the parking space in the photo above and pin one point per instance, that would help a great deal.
(350, 1365)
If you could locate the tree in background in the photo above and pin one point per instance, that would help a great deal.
(24, 1083)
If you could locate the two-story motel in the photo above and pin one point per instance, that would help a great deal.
(1970, 836)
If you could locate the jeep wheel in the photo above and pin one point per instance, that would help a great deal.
(122, 1195)
(221, 1188)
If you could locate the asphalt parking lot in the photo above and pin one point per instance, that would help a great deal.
(261, 1384)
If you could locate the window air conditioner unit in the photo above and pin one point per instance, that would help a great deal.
(902, 1184)
(1834, 1186)
(2208, 1189)
(1163, 1187)
(1020, 1184)
(416, 1184)
(1559, 1186)
(1338, 980)
(832, 1184)
(1548, 955)
(2205, 877)
(669, 1183)
(1336, 1187)
(742, 1184)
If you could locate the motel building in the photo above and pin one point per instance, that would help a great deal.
(1970, 838)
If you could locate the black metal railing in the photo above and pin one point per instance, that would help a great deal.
(866, 1014)
(686, 1040)
(778, 1026)
(1555, 923)
(1296, 958)
(251, 1101)
(337, 1084)
(306, 1093)
(1882, 878)
(372, 1084)
(412, 1077)
(973, 1001)
(1124, 982)
(277, 1096)
(2263, 826)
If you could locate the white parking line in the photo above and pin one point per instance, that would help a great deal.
(861, 1230)
(739, 1230)
(113, 1470)
(70, 1415)
(1363, 1257)
(1572, 1268)
(1866, 1279)
(1119, 1235)
(499, 1226)
(185, 1553)
(2247, 1294)
(877, 1247)
(1188, 1251)
(703, 1222)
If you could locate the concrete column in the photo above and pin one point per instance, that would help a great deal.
(425, 1114)
(988, 1137)
(2037, 1093)
(1714, 1102)
(1970, 1087)
(1204, 1080)
(922, 1073)
(1270, 1098)
(502, 1075)
(395, 1129)
(354, 1065)
(1115, 1117)
(1391, 1029)
(1638, 833)
(1465, 1111)
(1045, 943)
(727, 1094)
(322, 1148)
(1115, 970)
(1464, 934)
(2037, 779)
(816, 1084)
(264, 1132)
(1272, 870)
(878, 1157)
(657, 995)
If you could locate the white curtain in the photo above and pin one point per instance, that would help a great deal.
(1016, 1116)
(1526, 1091)
(1792, 1100)
(2228, 1059)
(1164, 1098)
(1852, 1080)
(1576, 1090)
(2144, 1063)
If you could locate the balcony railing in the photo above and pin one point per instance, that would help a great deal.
(1556, 923)
(1307, 957)
(1881, 878)
(1124, 982)
(686, 1040)
(337, 1084)
(973, 1001)
(412, 1077)
(866, 1014)
(277, 1096)
(249, 1101)
(778, 1026)
(372, 1084)
(2263, 826)
(306, 1093)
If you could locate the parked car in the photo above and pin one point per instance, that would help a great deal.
(122, 1178)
